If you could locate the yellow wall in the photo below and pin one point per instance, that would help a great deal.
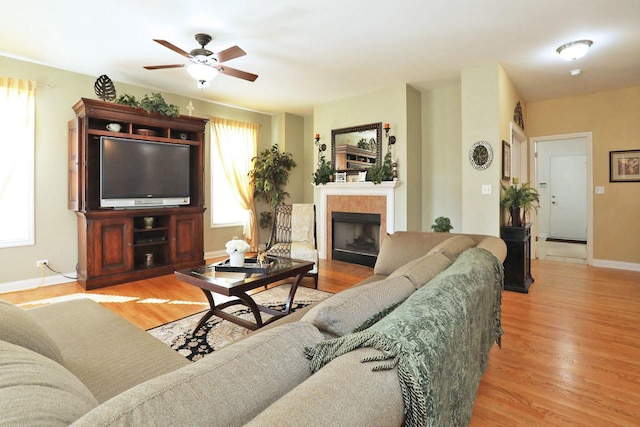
(613, 119)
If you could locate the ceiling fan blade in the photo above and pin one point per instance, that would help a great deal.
(173, 47)
(161, 67)
(237, 73)
(228, 54)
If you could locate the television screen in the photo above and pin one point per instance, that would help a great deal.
(136, 173)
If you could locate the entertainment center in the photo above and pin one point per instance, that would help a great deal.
(136, 185)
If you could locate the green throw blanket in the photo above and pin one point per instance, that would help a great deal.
(439, 339)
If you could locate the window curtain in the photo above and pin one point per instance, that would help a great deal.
(237, 143)
(17, 111)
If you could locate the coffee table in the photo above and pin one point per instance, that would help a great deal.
(236, 282)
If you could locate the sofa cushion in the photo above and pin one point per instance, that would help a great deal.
(226, 388)
(346, 310)
(453, 246)
(343, 393)
(422, 270)
(403, 246)
(17, 327)
(35, 390)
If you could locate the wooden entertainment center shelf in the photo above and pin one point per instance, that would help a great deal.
(122, 245)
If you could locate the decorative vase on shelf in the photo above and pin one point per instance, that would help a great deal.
(236, 249)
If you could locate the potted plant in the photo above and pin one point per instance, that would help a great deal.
(519, 201)
(383, 172)
(442, 225)
(270, 175)
(324, 173)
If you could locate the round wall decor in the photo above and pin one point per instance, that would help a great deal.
(480, 155)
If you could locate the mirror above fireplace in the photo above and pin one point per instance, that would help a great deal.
(357, 148)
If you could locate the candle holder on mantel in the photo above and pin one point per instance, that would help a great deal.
(391, 140)
(325, 170)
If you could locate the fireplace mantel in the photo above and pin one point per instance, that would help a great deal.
(385, 188)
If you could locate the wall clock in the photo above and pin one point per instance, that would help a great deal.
(480, 155)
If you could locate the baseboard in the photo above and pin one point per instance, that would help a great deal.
(619, 265)
(28, 284)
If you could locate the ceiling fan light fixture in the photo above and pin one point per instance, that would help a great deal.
(202, 73)
(574, 50)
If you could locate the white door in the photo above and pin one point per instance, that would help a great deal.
(568, 197)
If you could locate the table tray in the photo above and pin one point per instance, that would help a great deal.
(250, 266)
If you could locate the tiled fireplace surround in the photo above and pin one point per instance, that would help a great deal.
(358, 197)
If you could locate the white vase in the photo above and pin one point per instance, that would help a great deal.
(236, 259)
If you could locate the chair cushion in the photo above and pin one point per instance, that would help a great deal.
(35, 390)
(346, 310)
(303, 219)
(18, 327)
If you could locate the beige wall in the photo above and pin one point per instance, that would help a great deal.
(55, 225)
(441, 154)
(480, 87)
(612, 117)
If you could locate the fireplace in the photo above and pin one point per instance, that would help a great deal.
(355, 237)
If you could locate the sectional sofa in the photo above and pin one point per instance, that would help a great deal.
(424, 323)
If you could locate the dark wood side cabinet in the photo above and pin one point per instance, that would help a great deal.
(115, 245)
(517, 264)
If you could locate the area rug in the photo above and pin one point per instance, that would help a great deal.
(218, 333)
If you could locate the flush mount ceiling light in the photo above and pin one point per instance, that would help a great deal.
(574, 50)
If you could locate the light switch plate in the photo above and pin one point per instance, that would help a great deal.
(486, 189)
(599, 189)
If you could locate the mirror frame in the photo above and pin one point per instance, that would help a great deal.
(355, 129)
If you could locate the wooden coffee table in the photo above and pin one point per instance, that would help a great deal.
(236, 282)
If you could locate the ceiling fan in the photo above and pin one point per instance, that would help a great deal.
(205, 65)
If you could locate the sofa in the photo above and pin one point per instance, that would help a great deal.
(77, 363)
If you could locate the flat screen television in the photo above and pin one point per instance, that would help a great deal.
(136, 174)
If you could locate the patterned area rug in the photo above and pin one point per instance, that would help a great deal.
(218, 333)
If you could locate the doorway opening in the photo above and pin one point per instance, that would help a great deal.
(563, 177)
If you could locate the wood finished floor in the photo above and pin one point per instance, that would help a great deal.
(570, 353)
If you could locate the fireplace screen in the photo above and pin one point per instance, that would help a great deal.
(355, 237)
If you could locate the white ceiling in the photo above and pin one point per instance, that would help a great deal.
(308, 52)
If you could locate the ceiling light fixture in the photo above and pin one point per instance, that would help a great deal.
(574, 50)
(575, 72)
(202, 73)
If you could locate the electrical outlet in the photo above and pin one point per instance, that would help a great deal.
(41, 262)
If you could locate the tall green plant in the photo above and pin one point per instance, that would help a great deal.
(270, 174)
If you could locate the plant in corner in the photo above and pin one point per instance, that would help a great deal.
(442, 225)
(270, 175)
(519, 201)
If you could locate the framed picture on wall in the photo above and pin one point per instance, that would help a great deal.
(624, 166)
(506, 161)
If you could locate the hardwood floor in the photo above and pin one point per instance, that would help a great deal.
(570, 352)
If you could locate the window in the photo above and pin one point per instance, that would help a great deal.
(17, 136)
(233, 145)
